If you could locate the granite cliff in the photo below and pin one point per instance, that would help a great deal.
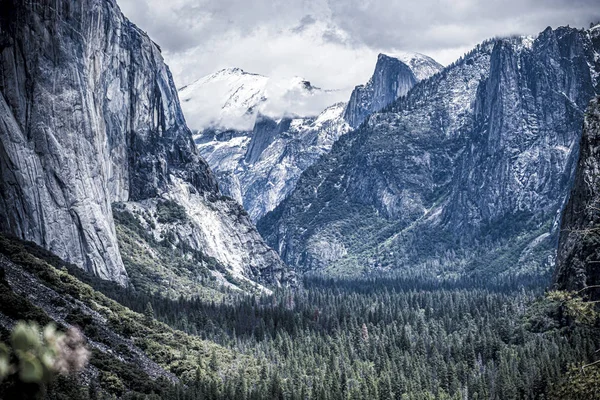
(578, 259)
(89, 116)
(467, 172)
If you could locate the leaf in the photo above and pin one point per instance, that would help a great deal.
(4, 367)
(4, 350)
(31, 370)
(25, 337)
(48, 360)
(50, 333)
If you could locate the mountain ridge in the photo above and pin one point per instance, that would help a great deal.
(447, 160)
(232, 98)
(259, 167)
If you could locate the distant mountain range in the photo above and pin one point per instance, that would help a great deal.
(260, 134)
(232, 99)
(466, 173)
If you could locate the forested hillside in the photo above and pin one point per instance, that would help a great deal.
(414, 236)
(378, 338)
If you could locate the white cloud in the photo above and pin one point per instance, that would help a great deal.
(232, 99)
(287, 97)
(334, 43)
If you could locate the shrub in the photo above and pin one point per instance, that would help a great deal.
(169, 212)
(112, 383)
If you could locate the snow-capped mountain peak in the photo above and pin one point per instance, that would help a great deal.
(232, 98)
(225, 98)
(421, 65)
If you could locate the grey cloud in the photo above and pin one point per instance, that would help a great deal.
(333, 42)
(440, 24)
(182, 24)
(305, 22)
(334, 36)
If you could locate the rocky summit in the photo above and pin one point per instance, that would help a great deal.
(259, 167)
(393, 77)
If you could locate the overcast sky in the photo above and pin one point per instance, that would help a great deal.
(334, 43)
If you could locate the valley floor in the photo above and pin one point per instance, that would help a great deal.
(378, 338)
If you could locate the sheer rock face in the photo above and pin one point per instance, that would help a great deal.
(477, 154)
(578, 259)
(391, 79)
(90, 116)
(526, 128)
(260, 168)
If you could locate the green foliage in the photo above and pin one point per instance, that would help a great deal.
(78, 318)
(579, 382)
(5, 367)
(170, 212)
(112, 383)
(575, 307)
(170, 349)
(149, 312)
(425, 339)
(35, 357)
(17, 307)
(214, 361)
(376, 338)
(167, 266)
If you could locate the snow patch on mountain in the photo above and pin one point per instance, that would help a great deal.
(227, 97)
(421, 65)
(261, 182)
(263, 133)
(232, 98)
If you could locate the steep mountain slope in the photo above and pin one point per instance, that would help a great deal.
(393, 78)
(578, 259)
(260, 167)
(468, 171)
(130, 352)
(422, 66)
(90, 117)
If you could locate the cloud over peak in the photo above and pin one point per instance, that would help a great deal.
(334, 43)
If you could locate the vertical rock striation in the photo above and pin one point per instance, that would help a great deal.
(391, 79)
(477, 158)
(578, 259)
(260, 167)
(89, 116)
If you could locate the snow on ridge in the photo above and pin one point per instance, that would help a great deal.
(523, 42)
(223, 99)
(232, 98)
(422, 65)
